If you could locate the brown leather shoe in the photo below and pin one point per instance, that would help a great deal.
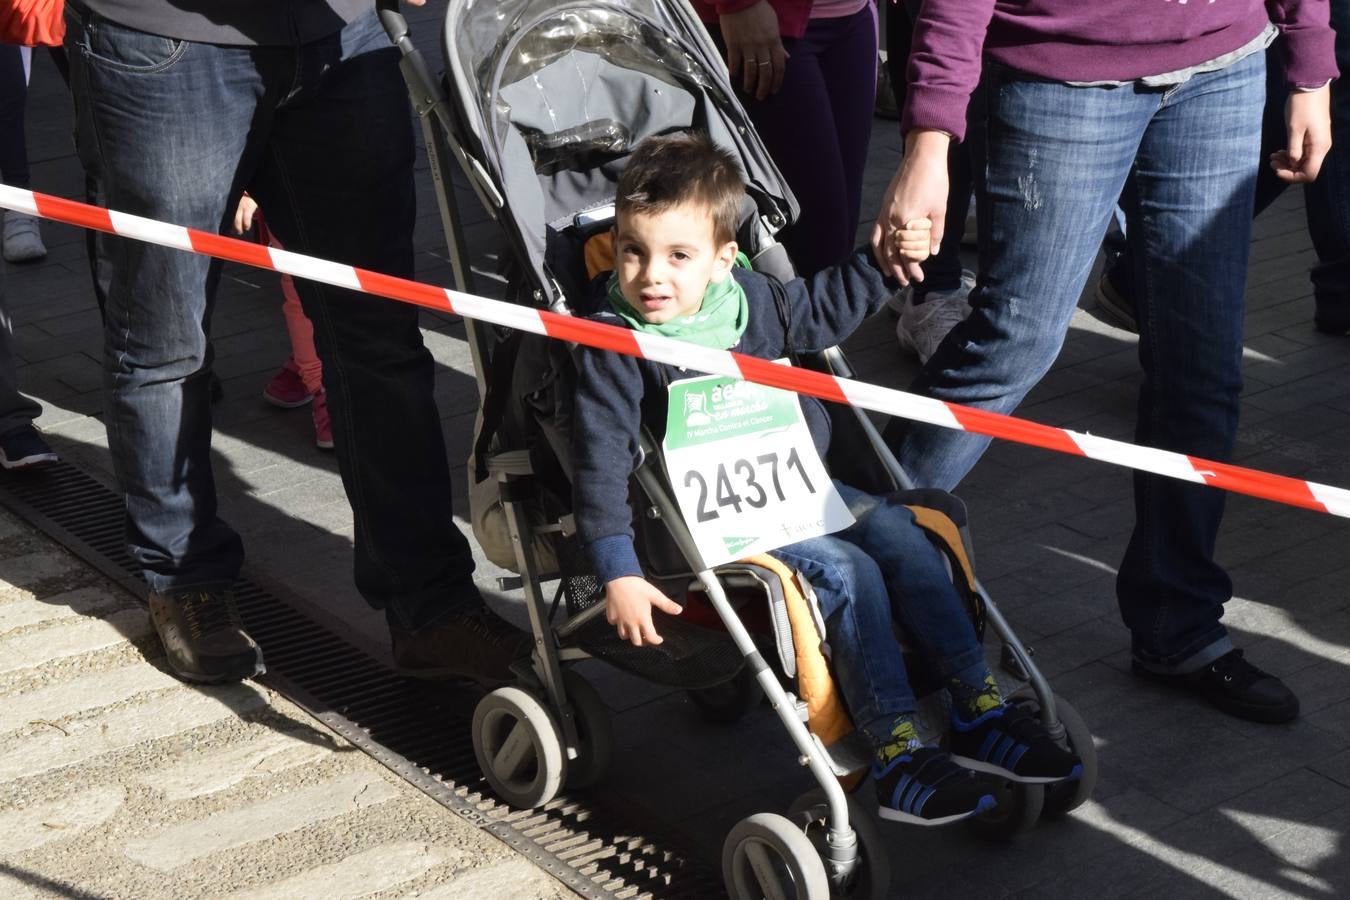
(203, 637)
(473, 643)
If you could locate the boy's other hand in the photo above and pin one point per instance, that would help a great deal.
(1308, 119)
(629, 609)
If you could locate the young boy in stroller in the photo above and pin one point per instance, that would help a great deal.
(675, 274)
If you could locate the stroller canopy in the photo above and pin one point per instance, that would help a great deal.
(551, 98)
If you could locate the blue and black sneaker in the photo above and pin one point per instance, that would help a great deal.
(924, 787)
(1011, 742)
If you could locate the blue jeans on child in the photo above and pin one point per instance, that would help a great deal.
(881, 569)
(320, 134)
(1058, 157)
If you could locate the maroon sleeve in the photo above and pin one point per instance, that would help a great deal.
(944, 64)
(1308, 45)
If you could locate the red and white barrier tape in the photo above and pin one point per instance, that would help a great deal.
(1290, 491)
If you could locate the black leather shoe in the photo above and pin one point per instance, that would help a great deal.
(203, 637)
(1235, 686)
(473, 643)
(1332, 317)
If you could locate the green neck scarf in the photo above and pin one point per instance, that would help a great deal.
(718, 323)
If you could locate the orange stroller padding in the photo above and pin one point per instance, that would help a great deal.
(825, 714)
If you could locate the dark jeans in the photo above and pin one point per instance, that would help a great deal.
(817, 129)
(879, 570)
(13, 99)
(320, 134)
(1326, 201)
(1058, 157)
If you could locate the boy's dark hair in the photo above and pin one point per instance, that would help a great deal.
(665, 171)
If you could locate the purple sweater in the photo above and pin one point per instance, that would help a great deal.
(1097, 40)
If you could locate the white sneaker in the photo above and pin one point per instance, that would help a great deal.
(900, 299)
(23, 242)
(923, 326)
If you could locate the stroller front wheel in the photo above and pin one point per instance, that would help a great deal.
(871, 877)
(519, 747)
(767, 855)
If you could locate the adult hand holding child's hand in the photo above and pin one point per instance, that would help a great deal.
(914, 202)
(629, 602)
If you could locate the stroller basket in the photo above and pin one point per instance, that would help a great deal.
(690, 656)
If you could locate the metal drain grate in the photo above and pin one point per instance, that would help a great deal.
(419, 732)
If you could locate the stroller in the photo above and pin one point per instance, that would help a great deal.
(540, 106)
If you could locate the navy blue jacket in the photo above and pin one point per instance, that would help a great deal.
(618, 394)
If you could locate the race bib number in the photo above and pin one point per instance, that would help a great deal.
(744, 469)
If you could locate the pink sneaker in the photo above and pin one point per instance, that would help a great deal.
(323, 425)
(286, 389)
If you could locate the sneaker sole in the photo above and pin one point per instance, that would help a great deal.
(895, 815)
(286, 404)
(1267, 715)
(36, 459)
(991, 769)
(259, 669)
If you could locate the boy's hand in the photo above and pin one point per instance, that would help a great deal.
(914, 241)
(243, 216)
(629, 609)
(1308, 117)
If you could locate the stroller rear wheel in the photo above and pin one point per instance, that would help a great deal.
(1019, 808)
(595, 734)
(768, 856)
(519, 747)
(729, 701)
(871, 877)
(1061, 799)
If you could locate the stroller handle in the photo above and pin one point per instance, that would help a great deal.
(390, 14)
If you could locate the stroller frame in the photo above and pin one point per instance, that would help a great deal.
(544, 671)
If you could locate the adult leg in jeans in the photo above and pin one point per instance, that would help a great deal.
(1191, 226)
(141, 133)
(1056, 160)
(347, 195)
(139, 100)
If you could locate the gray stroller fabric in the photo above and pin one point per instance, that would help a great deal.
(553, 96)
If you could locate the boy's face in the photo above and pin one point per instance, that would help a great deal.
(665, 261)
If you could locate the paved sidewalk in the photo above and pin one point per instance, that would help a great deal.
(1190, 803)
(117, 780)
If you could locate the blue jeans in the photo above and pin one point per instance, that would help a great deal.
(1058, 157)
(320, 134)
(1326, 200)
(881, 569)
